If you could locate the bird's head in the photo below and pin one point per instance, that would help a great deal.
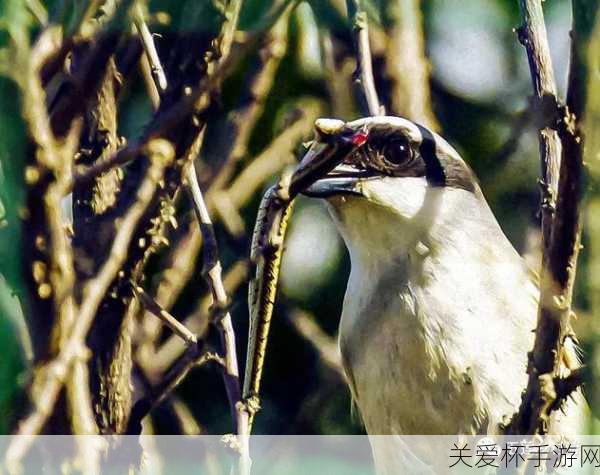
(398, 181)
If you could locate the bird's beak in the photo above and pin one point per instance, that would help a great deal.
(343, 180)
(335, 142)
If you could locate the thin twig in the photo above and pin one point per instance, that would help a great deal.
(363, 75)
(198, 321)
(158, 73)
(214, 279)
(212, 273)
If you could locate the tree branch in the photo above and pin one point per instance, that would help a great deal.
(562, 246)
(158, 73)
(532, 35)
(363, 76)
(51, 378)
(212, 274)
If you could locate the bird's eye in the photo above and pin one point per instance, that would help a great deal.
(397, 152)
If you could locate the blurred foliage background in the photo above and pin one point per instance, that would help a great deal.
(480, 86)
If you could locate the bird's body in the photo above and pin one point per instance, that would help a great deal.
(440, 310)
(450, 339)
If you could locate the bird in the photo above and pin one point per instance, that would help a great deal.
(440, 309)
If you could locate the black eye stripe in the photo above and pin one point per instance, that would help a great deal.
(438, 166)
(434, 171)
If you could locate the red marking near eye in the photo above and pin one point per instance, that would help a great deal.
(359, 138)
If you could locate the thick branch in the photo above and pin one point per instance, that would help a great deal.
(532, 35)
(562, 249)
(51, 378)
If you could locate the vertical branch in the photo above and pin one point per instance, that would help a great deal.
(532, 35)
(561, 252)
(51, 378)
(212, 272)
(363, 76)
(57, 280)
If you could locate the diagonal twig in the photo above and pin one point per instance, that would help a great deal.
(178, 328)
(198, 321)
(158, 73)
